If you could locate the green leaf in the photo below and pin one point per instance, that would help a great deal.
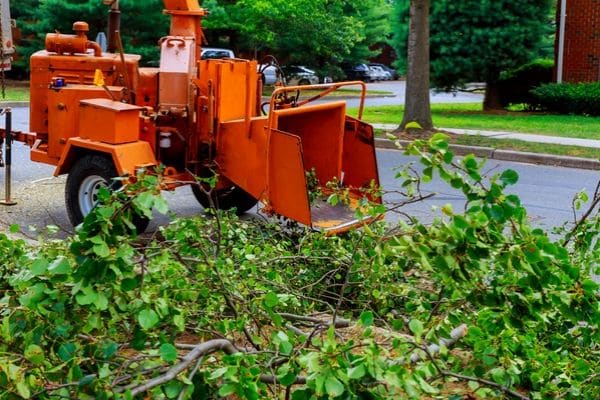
(179, 321)
(416, 327)
(217, 373)
(509, 177)
(101, 250)
(287, 379)
(357, 372)
(101, 302)
(172, 389)
(60, 266)
(39, 266)
(413, 125)
(366, 318)
(129, 284)
(147, 319)
(23, 390)
(86, 380)
(333, 387)
(15, 228)
(168, 352)
(271, 299)
(160, 205)
(87, 296)
(333, 199)
(109, 349)
(35, 354)
(66, 351)
(227, 389)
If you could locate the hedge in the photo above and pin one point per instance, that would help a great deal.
(569, 98)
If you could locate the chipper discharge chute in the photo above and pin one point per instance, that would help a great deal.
(319, 142)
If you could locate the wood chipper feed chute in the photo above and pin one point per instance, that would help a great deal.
(320, 144)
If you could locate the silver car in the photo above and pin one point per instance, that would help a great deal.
(379, 74)
(299, 75)
(214, 52)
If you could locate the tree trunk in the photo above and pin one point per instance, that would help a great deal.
(491, 99)
(417, 106)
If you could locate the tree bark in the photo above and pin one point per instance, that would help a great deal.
(417, 105)
(491, 99)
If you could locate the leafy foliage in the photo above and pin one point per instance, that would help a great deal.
(216, 306)
(475, 40)
(316, 32)
(141, 26)
(569, 98)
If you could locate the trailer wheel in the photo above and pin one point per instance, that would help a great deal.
(226, 199)
(88, 175)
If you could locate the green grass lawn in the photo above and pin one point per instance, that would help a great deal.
(517, 145)
(531, 147)
(471, 116)
(16, 92)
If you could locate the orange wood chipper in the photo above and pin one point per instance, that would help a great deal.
(97, 115)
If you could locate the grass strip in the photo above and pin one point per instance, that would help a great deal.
(518, 145)
(471, 116)
(16, 93)
(531, 147)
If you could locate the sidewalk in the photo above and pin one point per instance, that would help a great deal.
(509, 155)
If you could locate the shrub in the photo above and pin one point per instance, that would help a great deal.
(569, 98)
(515, 85)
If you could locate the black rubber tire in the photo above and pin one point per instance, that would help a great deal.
(304, 82)
(226, 199)
(92, 169)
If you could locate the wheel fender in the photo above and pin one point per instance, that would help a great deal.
(128, 157)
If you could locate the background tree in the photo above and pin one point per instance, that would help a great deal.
(417, 106)
(318, 33)
(475, 40)
(141, 25)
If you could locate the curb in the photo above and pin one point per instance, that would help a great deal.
(507, 155)
(14, 104)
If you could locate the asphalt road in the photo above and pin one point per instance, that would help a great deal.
(399, 89)
(545, 191)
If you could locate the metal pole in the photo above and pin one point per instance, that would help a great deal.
(561, 41)
(8, 154)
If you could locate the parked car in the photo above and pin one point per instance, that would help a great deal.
(299, 75)
(379, 74)
(393, 73)
(214, 52)
(358, 72)
(269, 73)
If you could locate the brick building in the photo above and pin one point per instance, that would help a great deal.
(581, 50)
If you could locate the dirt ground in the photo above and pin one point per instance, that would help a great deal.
(41, 203)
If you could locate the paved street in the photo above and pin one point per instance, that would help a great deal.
(545, 191)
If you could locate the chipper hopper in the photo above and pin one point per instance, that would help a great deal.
(97, 115)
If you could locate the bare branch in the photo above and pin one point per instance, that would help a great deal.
(200, 350)
(339, 322)
(505, 390)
